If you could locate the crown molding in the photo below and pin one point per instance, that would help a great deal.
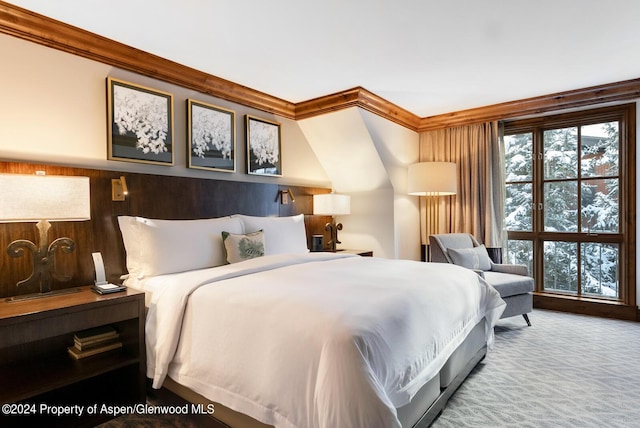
(45, 31)
(27, 25)
(357, 97)
(612, 92)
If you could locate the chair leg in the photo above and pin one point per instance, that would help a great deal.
(526, 318)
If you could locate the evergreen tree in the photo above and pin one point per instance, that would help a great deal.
(568, 155)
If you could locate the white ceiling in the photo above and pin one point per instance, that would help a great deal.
(429, 57)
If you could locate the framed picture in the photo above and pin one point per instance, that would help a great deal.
(211, 136)
(140, 122)
(263, 147)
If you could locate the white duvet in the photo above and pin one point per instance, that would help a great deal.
(313, 340)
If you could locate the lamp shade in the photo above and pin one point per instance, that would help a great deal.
(31, 198)
(331, 204)
(432, 179)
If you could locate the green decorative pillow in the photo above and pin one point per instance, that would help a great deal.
(243, 247)
(471, 258)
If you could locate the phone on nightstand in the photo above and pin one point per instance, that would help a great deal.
(101, 286)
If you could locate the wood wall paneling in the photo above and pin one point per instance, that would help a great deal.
(304, 205)
(152, 196)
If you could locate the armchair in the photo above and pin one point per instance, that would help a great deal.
(512, 281)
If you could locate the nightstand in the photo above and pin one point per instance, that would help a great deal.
(363, 253)
(36, 368)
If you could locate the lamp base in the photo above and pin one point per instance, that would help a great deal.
(43, 257)
(333, 229)
(33, 296)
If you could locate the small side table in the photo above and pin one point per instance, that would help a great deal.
(35, 367)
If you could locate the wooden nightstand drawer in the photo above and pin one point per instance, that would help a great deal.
(29, 327)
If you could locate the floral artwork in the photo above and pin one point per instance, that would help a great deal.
(140, 123)
(211, 136)
(263, 147)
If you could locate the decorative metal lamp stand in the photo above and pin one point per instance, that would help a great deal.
(43, 257)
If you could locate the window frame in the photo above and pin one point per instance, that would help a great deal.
(625, 114)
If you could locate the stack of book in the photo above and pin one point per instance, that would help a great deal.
(94, 341)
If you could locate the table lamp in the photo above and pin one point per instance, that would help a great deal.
(332, 204)
(43, 198)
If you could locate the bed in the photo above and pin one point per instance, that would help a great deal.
(289, 338)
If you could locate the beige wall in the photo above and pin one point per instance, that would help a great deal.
(366, 157)
(53, 110)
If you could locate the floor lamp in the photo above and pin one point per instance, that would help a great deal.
(432, 180)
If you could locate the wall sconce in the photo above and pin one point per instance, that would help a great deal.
(332, 204)
(286, 196)
(119, 189)
(42, 198)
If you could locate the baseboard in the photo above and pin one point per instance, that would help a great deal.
(575, 305)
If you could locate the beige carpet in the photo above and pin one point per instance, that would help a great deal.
(565, 371)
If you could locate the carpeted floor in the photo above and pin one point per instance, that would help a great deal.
(565, 371)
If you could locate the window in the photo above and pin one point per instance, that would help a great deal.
(569, 193)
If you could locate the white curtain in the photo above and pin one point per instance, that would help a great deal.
(478, 206)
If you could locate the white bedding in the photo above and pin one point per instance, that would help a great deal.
(313, 340)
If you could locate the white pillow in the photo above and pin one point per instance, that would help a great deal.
(158, 247)
(471, 258)
(282, 235)
(238, 247)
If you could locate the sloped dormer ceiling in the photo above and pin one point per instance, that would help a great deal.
(343, 144)
(360, 151)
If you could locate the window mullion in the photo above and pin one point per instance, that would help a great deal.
(538, 223)
(579, 210)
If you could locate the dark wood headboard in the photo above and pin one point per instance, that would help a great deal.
(153, 196)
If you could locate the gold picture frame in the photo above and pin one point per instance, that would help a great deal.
(264, 146)
(140, 123)
(211, 136)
